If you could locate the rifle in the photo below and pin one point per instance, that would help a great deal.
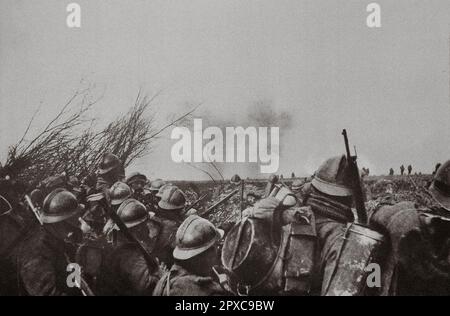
(358, 197)
(33, 209)
(211, 208)
(151, 262)
(190, 207)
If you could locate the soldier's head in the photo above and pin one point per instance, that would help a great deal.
(252, 197)
(118, 193)
(156, 184)
(60, 214)
(59, 181)
(172, 200)
(440, 186)
(74, 186)
(196, 245)
(297, 185)
(110, 166)
(135, 216)
(333, 179)
(235, 180)
(136, 181)
(155, 187)
(95, 215)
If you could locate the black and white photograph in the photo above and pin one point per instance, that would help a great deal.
(246, 149)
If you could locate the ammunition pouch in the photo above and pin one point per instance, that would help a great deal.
(299, 253)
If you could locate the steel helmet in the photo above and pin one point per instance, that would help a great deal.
(163, 188)
(440, 187)
(109, 162)
(236, 179)
(132, 213)
(119, 192)
(60, 205)
(135, 177)
(5, 206)
(172, 198)
(156, 185)
(333, 178)
(194, 236)
(273, 178)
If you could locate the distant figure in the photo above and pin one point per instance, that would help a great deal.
(364, 172)
(402, 169)
(391, 172)
(409, 169)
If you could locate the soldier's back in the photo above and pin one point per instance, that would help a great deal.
(413, 265)
(126, 273)
(42, 266)
(180, 282)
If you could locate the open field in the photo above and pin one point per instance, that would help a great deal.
(375, 186)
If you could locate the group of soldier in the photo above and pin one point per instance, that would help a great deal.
(132, 236)
(402, 170)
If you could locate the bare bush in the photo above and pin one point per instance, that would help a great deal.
(74, 144)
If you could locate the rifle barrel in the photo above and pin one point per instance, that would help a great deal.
(225, 198)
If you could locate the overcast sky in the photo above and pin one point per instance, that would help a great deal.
(315, 60)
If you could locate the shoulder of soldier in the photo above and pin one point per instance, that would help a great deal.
(396, 218)
(190, 284)
(165, 223)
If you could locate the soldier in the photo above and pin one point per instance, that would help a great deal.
(195, 257)
(44, 256)
(118, 193)
(12, 231)
(317, 241)
(126, 271)
(137, 183)
(402, 169)
(154, 188)
(391, 172)
(251, 198)
(331, 200)
(94, 219)
(164, 224)
(109, 172)
(409, 169)
(418, 259)
(262, 252)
